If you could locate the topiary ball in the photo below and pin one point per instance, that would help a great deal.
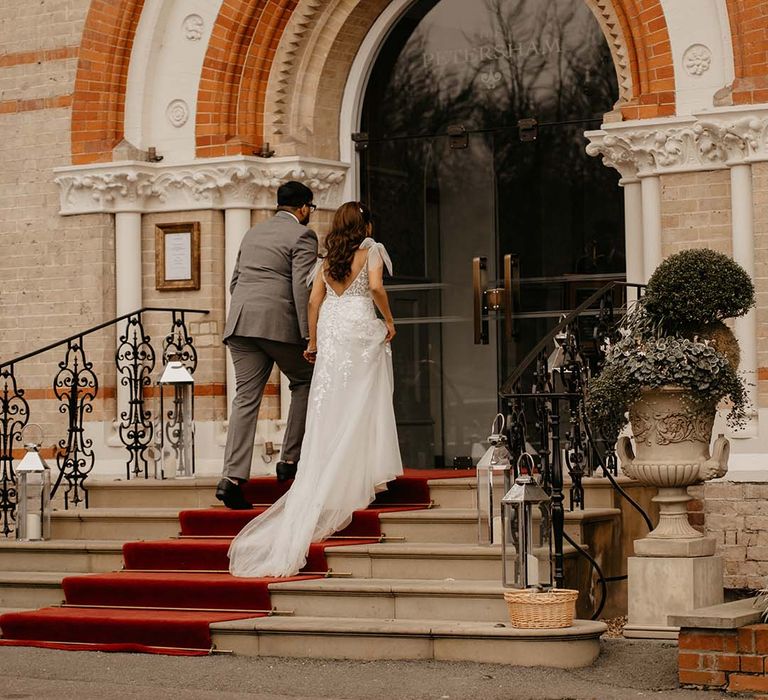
(698, 286)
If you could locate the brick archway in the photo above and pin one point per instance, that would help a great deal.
(230, 105)
(750, 50)
(259, 49)
(98, 102)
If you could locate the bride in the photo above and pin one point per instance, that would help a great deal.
(350, 447)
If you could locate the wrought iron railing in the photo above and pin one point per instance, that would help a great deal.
(76, 387)
(544, 402)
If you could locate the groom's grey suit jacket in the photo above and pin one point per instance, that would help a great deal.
(269, 284)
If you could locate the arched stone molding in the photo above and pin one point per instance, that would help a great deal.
(98, 102)
(615, 29)
(317, 50)
(164, 76)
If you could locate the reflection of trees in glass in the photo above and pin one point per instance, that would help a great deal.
(522, 58)
(546, 60)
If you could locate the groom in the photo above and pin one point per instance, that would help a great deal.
(267, 324)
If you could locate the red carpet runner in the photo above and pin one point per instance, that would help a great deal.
(170, 591)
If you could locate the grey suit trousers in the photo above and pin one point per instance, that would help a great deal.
(254, 359)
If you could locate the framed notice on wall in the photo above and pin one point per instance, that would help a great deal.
(177, 256)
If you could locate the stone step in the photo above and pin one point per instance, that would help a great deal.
(424, 560)
(459, 525)
(598, 492)
(442, 640)
(114, 523)
(30, 589)
(441, 561)
(69, 556)
(402, 599)
(153, 493)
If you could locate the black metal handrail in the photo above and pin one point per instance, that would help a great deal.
(561, 366)
(76, 387)
(93, 329)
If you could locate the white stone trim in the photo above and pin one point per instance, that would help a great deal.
(215, 183)
(710, 140)
(164, 72)
(357, 81)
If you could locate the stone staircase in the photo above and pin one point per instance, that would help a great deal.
(426, 591)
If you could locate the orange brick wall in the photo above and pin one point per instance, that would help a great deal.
(230, 106)
(731, 659)
(749, 28)
(651, 59)
(99, 99)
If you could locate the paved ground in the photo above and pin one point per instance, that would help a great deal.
(626, 669)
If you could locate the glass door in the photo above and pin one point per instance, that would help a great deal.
(455, 166)
(434, 202)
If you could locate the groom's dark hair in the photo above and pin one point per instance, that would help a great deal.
(293, 195)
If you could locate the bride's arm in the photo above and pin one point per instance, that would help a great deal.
(380, 298)
(316, 297)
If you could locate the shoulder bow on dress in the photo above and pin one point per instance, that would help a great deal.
(378, 253)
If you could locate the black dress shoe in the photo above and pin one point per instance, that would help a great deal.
(232, 495)
(285, 471)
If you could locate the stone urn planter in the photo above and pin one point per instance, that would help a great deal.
(672, 439)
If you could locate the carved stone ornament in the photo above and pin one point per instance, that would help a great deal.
(707, 141)
(177, 113)
(221, 183)
(697, 59)
(193, 27)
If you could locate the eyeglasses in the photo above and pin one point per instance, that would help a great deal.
(312, 207)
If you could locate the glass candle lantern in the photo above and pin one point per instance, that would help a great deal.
(526, 543)
(33, 509)
(177, 422)
(495, 465)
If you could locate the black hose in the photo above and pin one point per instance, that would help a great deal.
(601, 579)
(611, 478)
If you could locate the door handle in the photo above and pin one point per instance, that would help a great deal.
(479, 305)
(511, 293)
(498, 299)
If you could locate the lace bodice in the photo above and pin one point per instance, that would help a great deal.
(357, 288)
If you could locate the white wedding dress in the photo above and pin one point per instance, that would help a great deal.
(350, 447)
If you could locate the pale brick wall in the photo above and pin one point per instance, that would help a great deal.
(45, 24)
(206, 331)
(696, 211)
(760, 189)
(736, 515)
(57, 273)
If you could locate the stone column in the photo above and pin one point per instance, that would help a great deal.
(742, 231)
(237, 221)
(651, 208)
(633, 232)
(128, 282)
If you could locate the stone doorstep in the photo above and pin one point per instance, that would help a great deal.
(459, 525)
(725, 616)
(32, 589)
(392, 598)
(444, 587)
(71, 556)
(105, 523)
(313, 637)
(142, 493)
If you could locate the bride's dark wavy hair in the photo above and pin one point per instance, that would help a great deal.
(348, 231)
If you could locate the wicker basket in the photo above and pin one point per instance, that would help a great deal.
(530, 608)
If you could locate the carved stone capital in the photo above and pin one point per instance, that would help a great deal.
(707, 141)
(237, 182)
